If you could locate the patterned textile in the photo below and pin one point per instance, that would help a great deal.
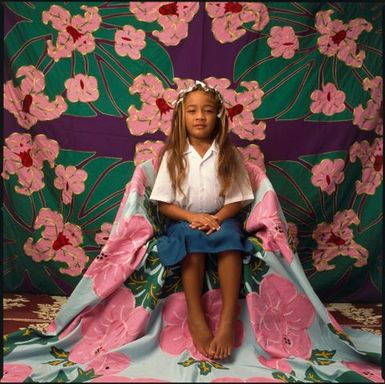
(127, 316)
(28, 310)
(88, 95)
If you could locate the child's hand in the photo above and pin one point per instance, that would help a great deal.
(204, 222)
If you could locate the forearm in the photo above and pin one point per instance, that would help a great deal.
(173, 212)
(229, 210)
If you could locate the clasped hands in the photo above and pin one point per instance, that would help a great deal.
(204, 222)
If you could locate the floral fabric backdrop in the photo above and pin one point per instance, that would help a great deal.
(89, 91)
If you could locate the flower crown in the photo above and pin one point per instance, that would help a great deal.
(200, 85)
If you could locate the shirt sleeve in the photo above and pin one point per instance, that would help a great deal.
(162, 189)
(240, 191)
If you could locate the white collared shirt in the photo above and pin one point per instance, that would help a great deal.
(201, 186)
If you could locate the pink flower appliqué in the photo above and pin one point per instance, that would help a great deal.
(276, 364)
(82, 88)
(175, 336)
(280, 317)
(339, 39)
(336, 239)
(24, 157)
(283, 42)
(70, 180)
(265, 222)
(156, 111)
(109, 363)
(328, 100)
(229, 17)
(109, 325)
(129, 42)
(121, 254)
(240, 107)
(369, 371)
(27, 102)
(147, 150)
(102, 237)
(371, 117)
(59, 242)
(172, 17)
(327, 174)
(15, 373)
(74, 32)
(371, 157)
(252, 154)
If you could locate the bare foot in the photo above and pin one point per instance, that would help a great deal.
(201, 335)
(223, 342)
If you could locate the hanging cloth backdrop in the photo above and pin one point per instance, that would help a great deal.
(126, 319)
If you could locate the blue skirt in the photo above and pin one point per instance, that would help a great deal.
(181, 240)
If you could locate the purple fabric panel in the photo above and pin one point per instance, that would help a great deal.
(285, 140)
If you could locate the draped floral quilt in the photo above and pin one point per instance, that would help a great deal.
(126, 321)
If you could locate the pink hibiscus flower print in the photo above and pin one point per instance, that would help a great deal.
(252, 154)
(175, 336)
(74, 32)
(24, 157)
(129, 42)
(229, 17)
(70, 180)
(336, 239)
(172, 17)
(147, 150)
(283, 42)
(369, 371)
(280, 317)
(156, 111)
(101, 238)
(276, 364)
(121, 254)
(27, 102)
(240, 106)
(339, 39)
(328, 101)
(265, 222)
(327, 174)
(82, 88)
(15, 373)
(230, 379)
(139, 182)
(371, 157)
(371, 117)
(59, 242)
(109, 325)
(109, 363)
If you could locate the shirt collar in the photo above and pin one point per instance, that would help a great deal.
(213, 148)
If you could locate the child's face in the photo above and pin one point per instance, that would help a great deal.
(200, 116)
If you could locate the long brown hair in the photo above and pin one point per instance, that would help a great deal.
(230, 166)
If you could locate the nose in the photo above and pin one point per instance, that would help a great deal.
(200, 115)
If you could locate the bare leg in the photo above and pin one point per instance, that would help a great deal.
(193, 269)
(229, 272)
